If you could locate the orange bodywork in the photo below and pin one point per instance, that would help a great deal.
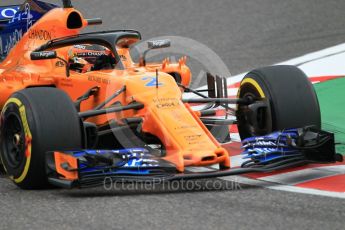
(186, 140)
(60, 159)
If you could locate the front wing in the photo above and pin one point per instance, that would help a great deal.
(88, 168)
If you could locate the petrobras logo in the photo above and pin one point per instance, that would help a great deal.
(265, 150)
(262, 143)
(265, 143)
(140, 162)
(8, 12)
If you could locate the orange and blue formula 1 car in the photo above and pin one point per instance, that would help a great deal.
(76, 109)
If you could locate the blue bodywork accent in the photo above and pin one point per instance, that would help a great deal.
(132, 151)
(275, 146)
(133, 161)
(16, 26)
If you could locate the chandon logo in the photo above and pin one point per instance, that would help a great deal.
(40, 34)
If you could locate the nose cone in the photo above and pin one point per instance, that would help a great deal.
(203, 158)
(200, 158)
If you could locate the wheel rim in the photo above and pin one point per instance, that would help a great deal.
(14, 140)
(251, 124)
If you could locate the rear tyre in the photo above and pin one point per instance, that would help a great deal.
(292, 101)
(34, 121)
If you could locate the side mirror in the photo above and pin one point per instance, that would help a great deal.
(46, 55)
(43, 55)
(157, 44)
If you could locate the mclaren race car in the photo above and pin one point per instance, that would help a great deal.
(77, 111)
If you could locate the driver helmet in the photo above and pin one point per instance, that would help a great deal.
(82, 58)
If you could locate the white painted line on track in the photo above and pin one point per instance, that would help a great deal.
(329, 61)
(297, 177)
(236, 161)
(285, 188)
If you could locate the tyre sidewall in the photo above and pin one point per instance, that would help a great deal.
(54, 124)
(19, 105)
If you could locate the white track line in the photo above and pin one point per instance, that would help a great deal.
(325, 62)
(285, 188)
(299, 176)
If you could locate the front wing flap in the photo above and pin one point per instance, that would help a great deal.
(92, 167)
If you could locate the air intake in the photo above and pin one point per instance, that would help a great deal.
(208, 158)
(74, 21)
(67, 4)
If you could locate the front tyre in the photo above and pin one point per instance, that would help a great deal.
(34, 121)
(291, 101)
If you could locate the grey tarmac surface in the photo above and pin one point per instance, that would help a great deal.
(245, 34)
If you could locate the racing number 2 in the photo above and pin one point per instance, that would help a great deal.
(151, 82)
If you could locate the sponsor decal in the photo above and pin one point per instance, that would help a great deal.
(186, 127)
(159, 44)
(59, 64)
(99, 80)
(123, 57)
(90, 54)
(193, 139)
(8, 12)
(43, 55)
(11, 37)
(142, 163)
(23, 16)
(46, 54)
(12, 40)
(83, 47)
(20, 68)
(165, 103)
(40, 34)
